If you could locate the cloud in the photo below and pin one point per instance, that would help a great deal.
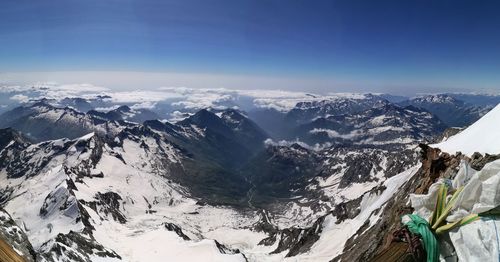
(205, 100)
(218, 98)
(288, 143)
(20, 98)
(334, 134)
(178, 116)
(145, 105)
(141, 96)
(130, 80)
(107, 109)
(280, 100)
(52, 90)
(178, 98)
(57, 91)
(14, 89)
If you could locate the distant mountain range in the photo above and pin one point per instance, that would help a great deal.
(240, 185)
(452, 111)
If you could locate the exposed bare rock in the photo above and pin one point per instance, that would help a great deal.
(14, 237)
(375, 243)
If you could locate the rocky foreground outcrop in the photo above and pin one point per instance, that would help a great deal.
(375, 243)
(14, 244)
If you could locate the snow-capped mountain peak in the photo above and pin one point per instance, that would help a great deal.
(437, 98)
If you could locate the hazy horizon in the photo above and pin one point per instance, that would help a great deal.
(134, 80)
(395, 47)
(248, 130)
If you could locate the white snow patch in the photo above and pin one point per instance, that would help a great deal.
(333, 238)
(483, 136)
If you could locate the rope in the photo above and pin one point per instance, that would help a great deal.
(428, 230)
(421, 227)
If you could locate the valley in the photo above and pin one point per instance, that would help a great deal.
(214, 184)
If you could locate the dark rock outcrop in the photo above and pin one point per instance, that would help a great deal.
(13, 236)
(75, 246)
(175, 228)
(376, 241)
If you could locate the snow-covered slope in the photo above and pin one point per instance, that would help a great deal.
(386, 125)
(453, 112)
(100, 199)
(125, 113)
(483, 136)
(378, 239)
(96, 200)
(336, 233)
(15, 237)
(42, 121)
(178, 192)
(307, 111)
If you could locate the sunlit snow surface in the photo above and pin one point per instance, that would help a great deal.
(483, 136)
(141, 187)
(143, 237)
(334, 236)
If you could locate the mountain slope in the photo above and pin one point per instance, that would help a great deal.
(453, 112)
(125, 113)
(77, 103)
(8, 136)
(483, 136)
(230, 139)
(305, 112)
(42, 121)
(208, 187)
(215, 148)
(215, 145)
(89, 186)
(84, 192)
(387, 125)
(362, 226)
(376, 240)
(281, 125)
(13, 241)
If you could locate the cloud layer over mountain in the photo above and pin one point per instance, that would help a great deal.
(177, 97)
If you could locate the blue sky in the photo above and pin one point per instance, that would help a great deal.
(372, 45)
